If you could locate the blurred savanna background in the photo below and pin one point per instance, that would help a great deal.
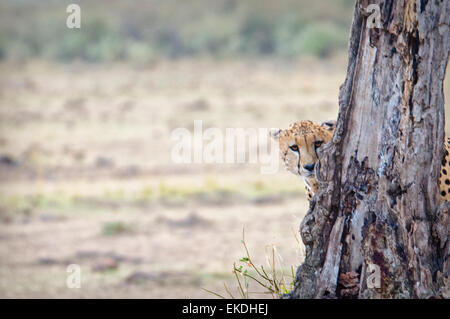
(86, 115)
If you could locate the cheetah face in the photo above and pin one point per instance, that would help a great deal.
(299, 146)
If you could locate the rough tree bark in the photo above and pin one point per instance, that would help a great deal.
(378, 202)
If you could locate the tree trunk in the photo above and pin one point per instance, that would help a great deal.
(378, 210)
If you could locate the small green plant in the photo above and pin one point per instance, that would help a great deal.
(272, 279)
(115, 228)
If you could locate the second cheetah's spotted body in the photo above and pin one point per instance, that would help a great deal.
(299, 145)
(444, 176)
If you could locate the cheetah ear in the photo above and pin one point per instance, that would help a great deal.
(329, 125)
(275, 133)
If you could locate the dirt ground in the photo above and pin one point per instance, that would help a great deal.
(86, 175)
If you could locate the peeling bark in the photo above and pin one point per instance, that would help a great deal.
(378, 202)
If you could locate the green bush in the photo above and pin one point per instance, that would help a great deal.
(320, 40)
(257, 34)
(144, 31)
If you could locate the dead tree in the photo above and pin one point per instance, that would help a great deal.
(378, 210)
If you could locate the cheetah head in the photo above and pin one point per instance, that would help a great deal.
(299, 145)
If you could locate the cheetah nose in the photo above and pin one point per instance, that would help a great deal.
(309, 167)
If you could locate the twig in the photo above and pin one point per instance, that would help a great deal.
(228, 291)
(214, 293)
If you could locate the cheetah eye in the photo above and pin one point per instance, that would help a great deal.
(294, 148)
(318, 144)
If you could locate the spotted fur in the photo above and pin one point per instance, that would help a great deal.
(444, 178)
(299, 145)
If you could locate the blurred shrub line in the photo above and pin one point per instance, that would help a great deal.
(143, 31)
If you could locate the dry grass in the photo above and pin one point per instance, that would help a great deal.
(86, 175)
